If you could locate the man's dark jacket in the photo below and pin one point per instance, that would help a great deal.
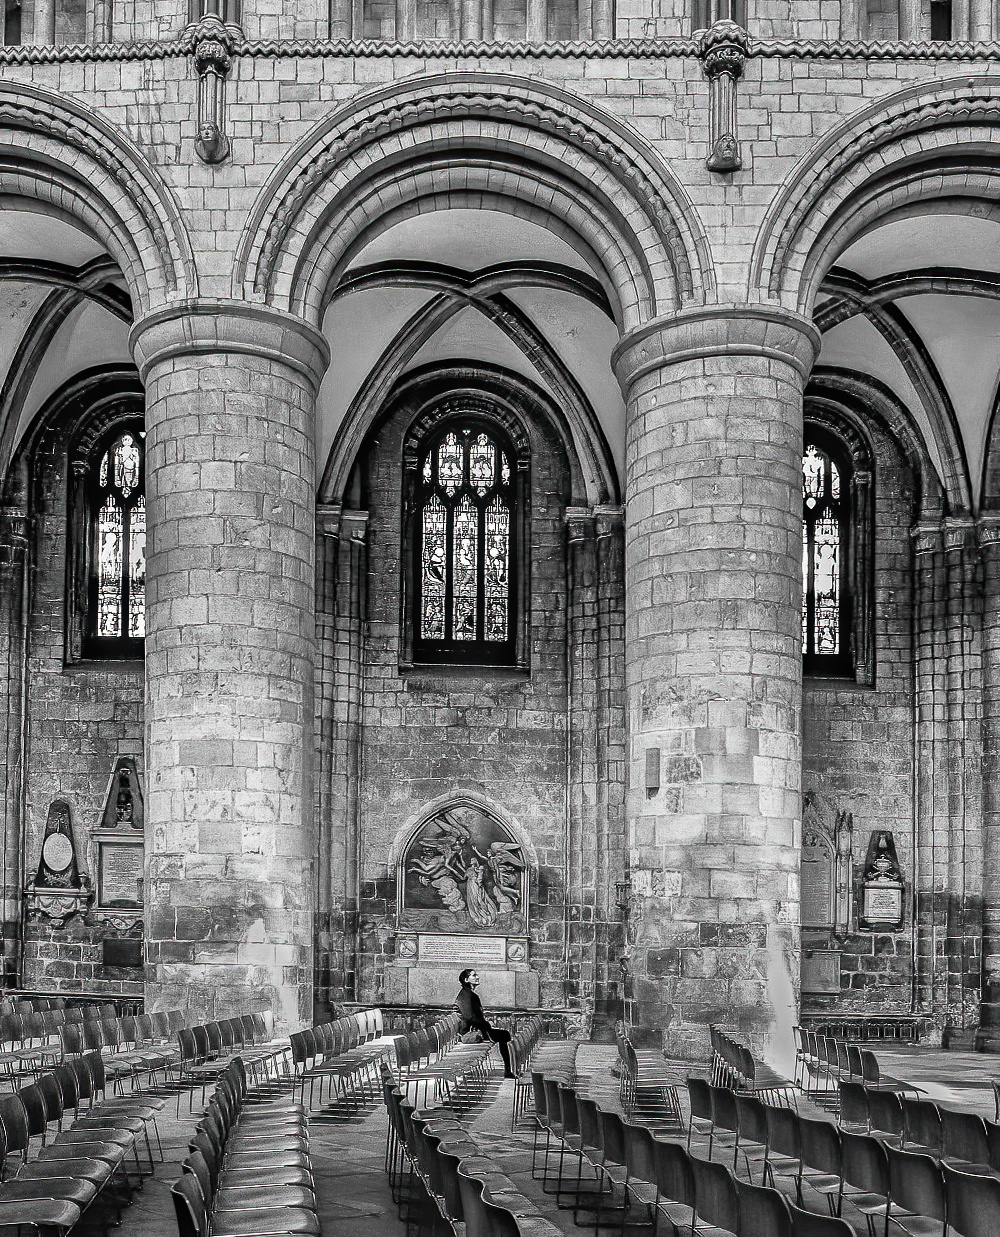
(471, 1008)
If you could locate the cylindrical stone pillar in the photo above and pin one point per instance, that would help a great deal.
(988, 1034)
(230, 586)
(713, 596)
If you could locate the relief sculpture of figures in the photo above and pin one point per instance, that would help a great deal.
(462, 872)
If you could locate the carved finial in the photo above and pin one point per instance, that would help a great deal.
(723, 50)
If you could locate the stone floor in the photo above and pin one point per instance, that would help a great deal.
(348, 1149)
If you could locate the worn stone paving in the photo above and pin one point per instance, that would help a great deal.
(348, 1148)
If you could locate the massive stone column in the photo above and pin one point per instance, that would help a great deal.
(988, 1034)
(713, 564)
(230, 482)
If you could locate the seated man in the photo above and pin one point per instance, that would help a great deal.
(470, 1007)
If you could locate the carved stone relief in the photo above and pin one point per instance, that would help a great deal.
(463, 872)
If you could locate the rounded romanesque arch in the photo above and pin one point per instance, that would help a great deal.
(500, 143)
(70, 162)
(886, 161)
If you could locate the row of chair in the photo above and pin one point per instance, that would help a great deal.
(733, 1064)
(135, 1046)
(633, 1169)
(963, 1138)
(248, 1171)
(880, 1180)
(457, 1188)
(822, 1061)
(523, 1043)
(647, 1084)
(204, 1051)
(84, 1165)
(435, 1058)
(37, 1004)
(343, 1054)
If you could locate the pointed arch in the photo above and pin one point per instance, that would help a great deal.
(499, 142)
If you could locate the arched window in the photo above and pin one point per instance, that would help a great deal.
(116, 549)
(464, 556)
(826, 564)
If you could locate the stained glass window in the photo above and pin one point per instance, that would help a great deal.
(463, 591)
(118, 545)
(825, 535)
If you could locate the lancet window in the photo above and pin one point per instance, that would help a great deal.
(826, 579)
(464, 559)
(116, 611)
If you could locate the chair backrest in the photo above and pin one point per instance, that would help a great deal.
(762, 1211)
(863, 1163)
(870, 1071)
(160, 1023)
(95, 1067)
(639, 1152)
(473, 1211)
(69, 1088)
(916, 1183)
(189, 1207)
(723, 1108)
(923, 1123)
(674, 1178)
(809, 1224)
(715, 1194)
(854, 1061)
(196, 1166)
(215, 1041)
(84, 1082)
(93, 1036)
(751, 1118)
(14, 1123)
(885, 1112)
(782, 1131)
(700, 1097)
(963, 1137)
(819, 1145)
(612, 1137)
(36, 1108)
(854, 1104)
(973, 1202)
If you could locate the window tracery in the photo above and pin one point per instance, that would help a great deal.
(464, 597)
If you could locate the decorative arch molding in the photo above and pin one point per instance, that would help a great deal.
(460, 798)
(593, 472)
(64, 156)
(850, 402)
(892, 154)
(531, 148)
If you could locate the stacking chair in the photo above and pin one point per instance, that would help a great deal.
(963, 1139)
(782, 1158)
(700, 1102)
(973, 1203)
(923, 1124)
(763, 1212)
(194, 1218)
(715, 1196)
(808, 1224)
(854, 1107)
(640, 1165)
(245, 1197)
(819, 1159)
(916, 1192)
(674, 1183)
(887, 1115)
(865, 1173)
(724, 1120)
(751, 1134)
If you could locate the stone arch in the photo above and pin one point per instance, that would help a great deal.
(881, 161)
(61, 157)
(856, 399)
(471, 138)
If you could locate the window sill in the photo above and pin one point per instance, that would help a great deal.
(457, 671)
(832, 683)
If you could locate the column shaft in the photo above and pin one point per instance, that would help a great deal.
(230, 479)
(714, 668)
(988, 1035)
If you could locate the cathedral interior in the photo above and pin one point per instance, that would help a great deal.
(508, 484)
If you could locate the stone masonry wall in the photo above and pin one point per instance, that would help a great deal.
(80, 720)
(858, 750)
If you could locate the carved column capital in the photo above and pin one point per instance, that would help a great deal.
(927, 538)
(724, 49)
(354, 526)
(328, 519)
(579, 522)
(609, 520)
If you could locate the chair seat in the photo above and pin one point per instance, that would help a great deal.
(96, 1171)
(266, 1220)
(81, 1193)
(250, 1197)
(250, 1177)
(38, 1213)
(238, 1158)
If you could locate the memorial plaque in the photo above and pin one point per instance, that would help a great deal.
(817, 887)
(463, 951)
(883, 905)
(119, 878)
